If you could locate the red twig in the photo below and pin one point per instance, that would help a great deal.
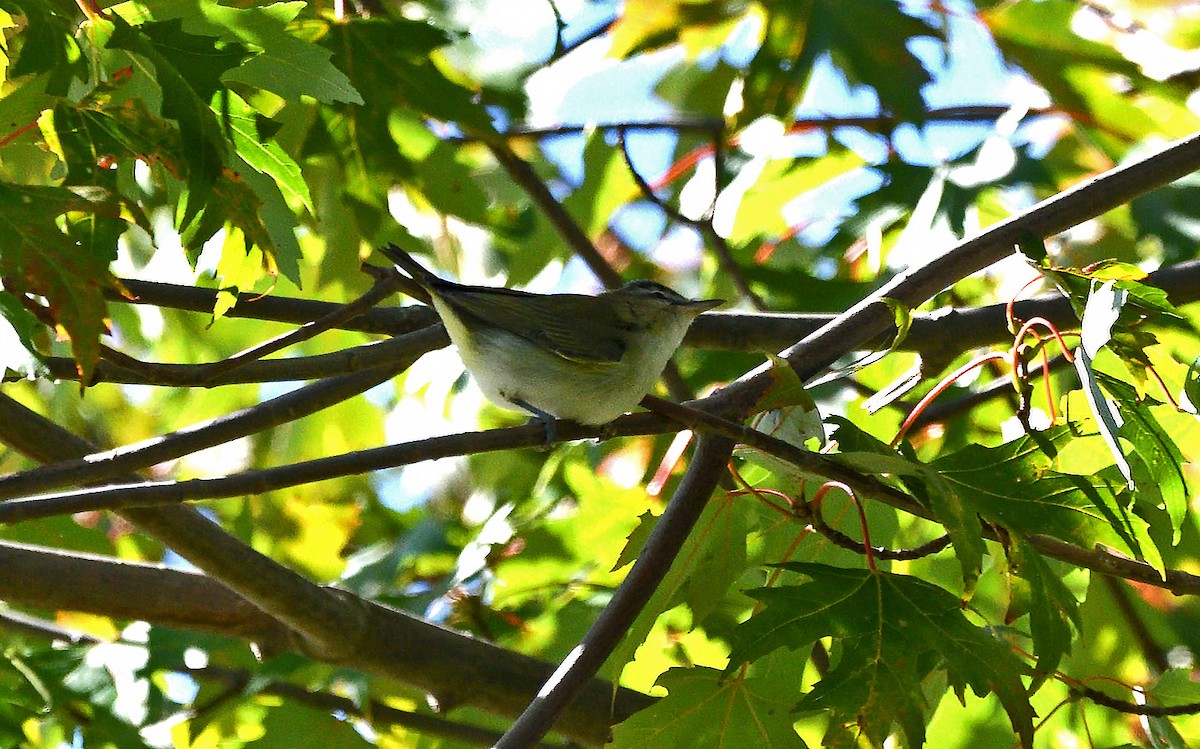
(862, 516)
(941, 387)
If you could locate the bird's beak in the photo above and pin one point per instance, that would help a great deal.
(700, 305)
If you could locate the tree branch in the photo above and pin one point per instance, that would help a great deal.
(280, 410)
(334, 626)
(870, 318)
(659, 552)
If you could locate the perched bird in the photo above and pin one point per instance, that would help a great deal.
(568, 356)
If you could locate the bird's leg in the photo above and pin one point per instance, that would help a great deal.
(546, 420)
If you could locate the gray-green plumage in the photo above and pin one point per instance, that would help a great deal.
(584, 358)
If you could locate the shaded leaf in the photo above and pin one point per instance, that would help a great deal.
(702, 709)
(185, 99)
(877, 54)
(1052, 609)
(889, 622)
(38, 257)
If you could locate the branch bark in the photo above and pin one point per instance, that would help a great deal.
(327, 624)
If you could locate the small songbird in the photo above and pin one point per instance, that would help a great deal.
(569, 356)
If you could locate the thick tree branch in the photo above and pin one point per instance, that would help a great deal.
(859, 325)
(949, 331)
(331, 625)
(870, 318)
(663, 545)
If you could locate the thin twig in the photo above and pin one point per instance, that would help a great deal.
(345, 361)
(881, 123)
(387, 281)
(841, 540)
(1131, 708)
(703, 225)
(282, 409)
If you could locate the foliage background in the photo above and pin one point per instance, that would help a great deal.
(182, 180)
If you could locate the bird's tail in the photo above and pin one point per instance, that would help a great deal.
(408, 264)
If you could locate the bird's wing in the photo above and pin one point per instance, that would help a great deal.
(539, 319)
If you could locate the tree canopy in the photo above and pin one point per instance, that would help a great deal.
(927, 477)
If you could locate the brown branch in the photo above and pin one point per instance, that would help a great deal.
(387, 281)
(330, 625)
(349, 360)
(1132, 708)
(131, 496)
(841, 540)
(279, 410)
(524, 175)
(386, 320)
(871, 318)
(131, 590)
(931, 333)
(647, 573)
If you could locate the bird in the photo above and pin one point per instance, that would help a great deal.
(588, 359)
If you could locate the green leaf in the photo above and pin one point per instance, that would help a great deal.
(186, 98)
(1191, 388)
(266, 219)
(760, 212)
(23, 101)
(49, 46)
(891, 625)
(702, 709)
(717, 547)
(701, 575)
(286, 65)
(1154, 448)
(1033, 248)
(788, 412)
(875, 53)
(1053, 611)
(99, 129)
(1013, 485)
(263, 153)
(390, 60)
(38, 257)
(292, 725)
(902, 319)
(872, 687)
